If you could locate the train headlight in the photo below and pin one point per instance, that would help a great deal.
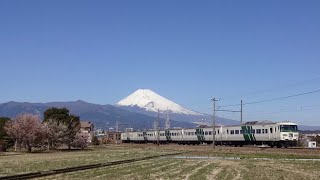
(285, 134)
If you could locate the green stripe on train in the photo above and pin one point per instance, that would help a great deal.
(167, 134)
(200, 134)
(247, 133)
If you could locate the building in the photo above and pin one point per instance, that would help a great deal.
(312, 144)
(113, 137)
(87, 127)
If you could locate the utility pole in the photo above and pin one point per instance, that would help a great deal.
(167, 122)
(158, 128)
(241, 112)
(214, 122)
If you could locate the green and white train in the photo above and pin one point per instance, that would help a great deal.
(280, 134)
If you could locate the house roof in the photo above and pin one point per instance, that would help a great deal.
(85, 124)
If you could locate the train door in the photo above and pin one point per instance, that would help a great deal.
(128, 136)
(145, 138)
(227, 133)
(271, 133)
(220, 134)
(182, 135)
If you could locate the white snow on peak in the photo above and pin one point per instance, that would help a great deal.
(151, 101)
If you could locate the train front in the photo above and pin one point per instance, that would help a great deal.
(289, 134)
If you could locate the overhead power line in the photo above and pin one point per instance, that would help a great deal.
(274, 99)
(273, 89)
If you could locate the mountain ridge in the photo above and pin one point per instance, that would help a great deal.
(102, 116)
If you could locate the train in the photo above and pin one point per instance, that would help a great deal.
(274, 134)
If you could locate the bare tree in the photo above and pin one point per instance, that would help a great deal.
(55, 132)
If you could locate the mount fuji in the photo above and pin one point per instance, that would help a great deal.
(147, 102)
(151, 101)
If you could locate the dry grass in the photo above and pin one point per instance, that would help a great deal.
(33, 162)
(202, 169)
(167, 168)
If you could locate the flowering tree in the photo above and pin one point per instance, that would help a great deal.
(80, 140)
(25, 129)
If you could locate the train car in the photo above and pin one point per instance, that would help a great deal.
(281, 134)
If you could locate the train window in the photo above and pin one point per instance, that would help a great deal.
(262, 131)
(253, 131)
(266, 131)
(236, 131)
(275, 129)
(232, 132)
(227, 131)
(258, 131)
(210, 132)
(218, 132)
(206, 133)
(270, 130)
(241, 132)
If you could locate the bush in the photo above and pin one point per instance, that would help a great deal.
(95, 140)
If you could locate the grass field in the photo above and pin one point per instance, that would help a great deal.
(170, 168)
(202, 169)
(15, 163)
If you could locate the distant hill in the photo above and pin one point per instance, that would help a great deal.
(103, 116)
(106, 116)
(308, 128)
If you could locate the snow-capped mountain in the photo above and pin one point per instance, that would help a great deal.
(145, 101)
(151, 101)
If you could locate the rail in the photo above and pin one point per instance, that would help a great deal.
(79, 168)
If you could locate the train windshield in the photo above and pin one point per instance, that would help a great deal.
(289, 128)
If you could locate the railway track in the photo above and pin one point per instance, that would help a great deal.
(80, 168)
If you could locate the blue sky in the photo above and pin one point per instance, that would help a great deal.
(187, 51)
